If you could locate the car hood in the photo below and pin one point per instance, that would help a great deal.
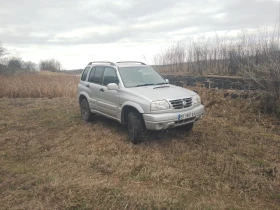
(159, 92)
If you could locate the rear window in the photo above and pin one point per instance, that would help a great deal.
(91, 74)
(84, 75)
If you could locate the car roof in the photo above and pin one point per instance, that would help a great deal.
(129, 64)
(117, 64)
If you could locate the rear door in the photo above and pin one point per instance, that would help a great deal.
(83, 85)
(109, 99)
(95, 84)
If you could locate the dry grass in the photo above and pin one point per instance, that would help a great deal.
(43, 85)
(51, 159)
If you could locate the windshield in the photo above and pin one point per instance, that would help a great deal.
(140, 76)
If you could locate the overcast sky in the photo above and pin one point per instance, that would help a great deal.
(76, 32)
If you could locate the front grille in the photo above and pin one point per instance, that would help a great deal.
(181, 103)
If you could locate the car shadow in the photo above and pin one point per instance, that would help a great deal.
(149, 136)
(166, 136)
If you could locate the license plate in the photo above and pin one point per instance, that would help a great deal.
(185, 116)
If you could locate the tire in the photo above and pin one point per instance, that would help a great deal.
(187, 127)
(136, 127)
(85, 110)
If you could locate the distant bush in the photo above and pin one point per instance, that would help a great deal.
(15, 63)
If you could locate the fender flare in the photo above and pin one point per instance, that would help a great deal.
(83, 93)
(134, 105)
(130, 104)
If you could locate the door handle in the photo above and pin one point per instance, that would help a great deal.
(102, 90)
(87, 86)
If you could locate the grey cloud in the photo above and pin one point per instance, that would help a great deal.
(20, 23)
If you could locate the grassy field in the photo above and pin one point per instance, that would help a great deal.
(51, 159)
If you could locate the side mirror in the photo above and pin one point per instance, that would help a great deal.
(112, 86)
(167, 80)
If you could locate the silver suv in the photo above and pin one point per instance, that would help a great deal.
(136, 95)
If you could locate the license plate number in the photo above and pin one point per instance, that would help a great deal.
(185, 116)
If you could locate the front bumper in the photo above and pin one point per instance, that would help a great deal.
(170, 120)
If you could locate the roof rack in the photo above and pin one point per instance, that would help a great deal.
(131, 62)
(111, 63)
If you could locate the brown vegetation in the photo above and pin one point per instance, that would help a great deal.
(51, 159)
(35, 85)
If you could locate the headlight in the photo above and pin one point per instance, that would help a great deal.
(196, 99)
(159, 105)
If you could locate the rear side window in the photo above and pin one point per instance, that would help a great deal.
(98, 75)
(84, 75)
(110, 76)
(91, 75)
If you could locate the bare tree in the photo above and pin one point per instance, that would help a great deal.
(173, 58)
(2, 50)
(50, 65)
(30, 66)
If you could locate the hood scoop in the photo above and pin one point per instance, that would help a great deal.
(161, 87)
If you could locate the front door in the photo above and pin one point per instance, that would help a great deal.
(109, 99)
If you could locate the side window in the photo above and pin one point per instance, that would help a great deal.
(91, 74)
(98, 75)
(84, 75)
(110, 76)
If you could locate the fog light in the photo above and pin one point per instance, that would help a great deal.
(159, 126)
(199, 117)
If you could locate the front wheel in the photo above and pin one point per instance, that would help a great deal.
(135, 127)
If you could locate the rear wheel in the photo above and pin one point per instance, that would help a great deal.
(85, 110)
(135, 127)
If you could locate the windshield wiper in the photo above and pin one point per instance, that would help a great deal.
(146, 84)
(162, 83)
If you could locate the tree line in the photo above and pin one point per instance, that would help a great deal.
(221, 55)
(10, 64)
